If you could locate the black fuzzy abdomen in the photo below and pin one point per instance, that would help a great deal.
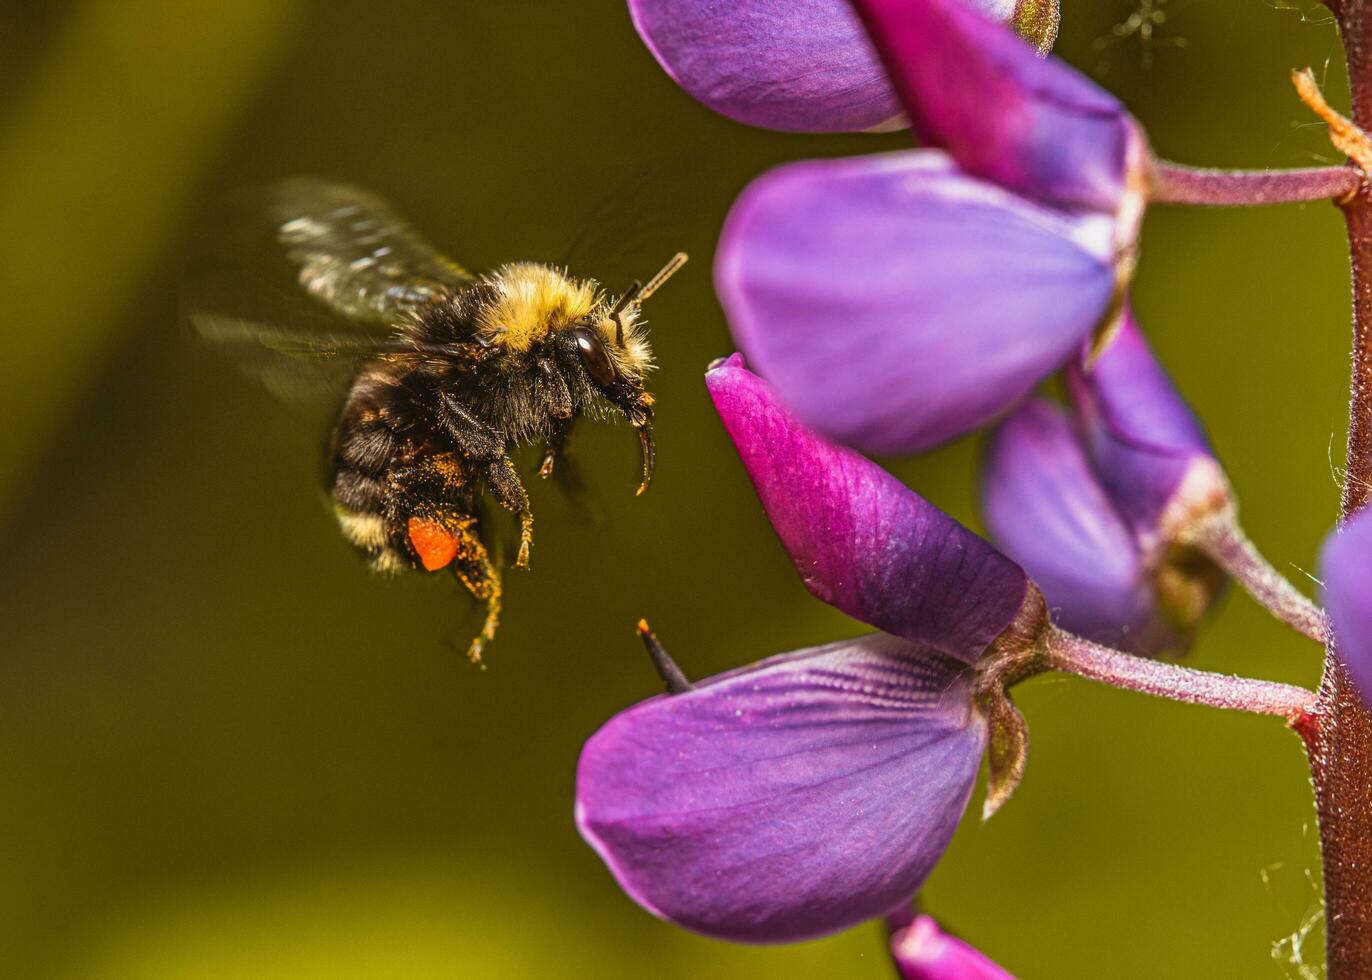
(390, 463)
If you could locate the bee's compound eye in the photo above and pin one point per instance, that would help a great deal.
(594, 356)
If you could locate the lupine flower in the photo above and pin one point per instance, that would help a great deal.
(923, 951)
(1346, 567)
(899, 300)
(1096, 505)
(801, 65)
(815, 789)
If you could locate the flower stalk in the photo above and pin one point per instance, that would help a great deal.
(1221, 539)
(1066, 652)
(1340, 746)
(1174, 183)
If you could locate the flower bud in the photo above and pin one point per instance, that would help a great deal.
(1106, 508)
(1150, 452)
(923, 951)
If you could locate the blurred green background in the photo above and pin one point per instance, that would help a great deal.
(227, 751)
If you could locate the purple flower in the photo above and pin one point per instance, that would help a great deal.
(1096, 505)
(899, 300)
(815, 789)
(1346, 567)
(802, 65)
(923, 951)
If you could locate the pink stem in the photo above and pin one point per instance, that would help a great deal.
(1086, 659)
(1177, 184)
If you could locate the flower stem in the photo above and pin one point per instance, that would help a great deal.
(1075, 655)
(1177, 184)
(1223, 541)
(1340, 741)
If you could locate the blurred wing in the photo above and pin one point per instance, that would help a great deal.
(355, 255)
(641, 219)
(302, 367)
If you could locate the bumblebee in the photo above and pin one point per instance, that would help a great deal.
(468, 369)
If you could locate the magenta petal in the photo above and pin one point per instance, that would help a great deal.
(976, 89)
(1142, 435)
(1346, 567)
(803, 65)
(860, 539)
(797, 797)
(897, 303)
(1047, 510)
(923, 951)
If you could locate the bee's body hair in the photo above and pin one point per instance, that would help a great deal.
(422, 437)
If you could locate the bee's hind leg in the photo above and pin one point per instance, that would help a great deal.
(473, 568)
(509, 492)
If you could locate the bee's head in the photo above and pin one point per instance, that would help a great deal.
(612, 351)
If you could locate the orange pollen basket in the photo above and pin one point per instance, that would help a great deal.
(433, 542)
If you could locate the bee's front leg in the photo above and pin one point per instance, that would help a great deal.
(557, 446)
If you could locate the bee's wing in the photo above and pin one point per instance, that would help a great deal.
(641, 217)
(304, 364)
(307, 368)
(355, 255)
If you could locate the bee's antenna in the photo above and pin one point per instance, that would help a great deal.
(630, 295)
(637, 292)
(663, 274)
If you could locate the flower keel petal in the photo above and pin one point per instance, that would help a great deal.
(861, 540)
(1032, 125)
(1143, 438)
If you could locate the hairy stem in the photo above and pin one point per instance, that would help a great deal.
(1340, 742)
(1075, 655)
(1177, 184)
(1222, 539)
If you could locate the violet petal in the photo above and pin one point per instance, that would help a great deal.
(1047, 510)
(861, 540)
(923, 951)
(1346, 567)
(790, 799)
(1141, 434)
(802, 65)
(897, 303)
(1033, 125)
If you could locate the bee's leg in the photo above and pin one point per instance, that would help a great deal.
(557, 446)
(554, 394)
(482, 444)
(473, 568)
(559, 400)
(477, 440)
(509, 492)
